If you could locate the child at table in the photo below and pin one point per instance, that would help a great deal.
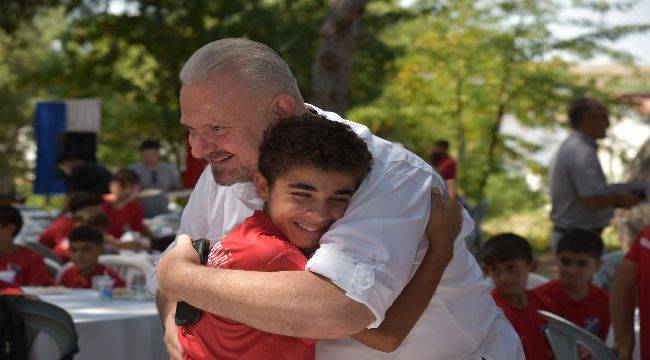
(631, 285)
(507, 259)
(122, 206)
(309, 169)
(86, 244)
(574, 297)
(20, 266)
(55, 236)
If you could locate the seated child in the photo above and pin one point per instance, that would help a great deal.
(508, 258)
(574, 297)
(122, 207)
(55, 236)
(309, 169)
(27, 267)
(86, 244)
(631, 285)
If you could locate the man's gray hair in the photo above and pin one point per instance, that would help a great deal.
(264, 71)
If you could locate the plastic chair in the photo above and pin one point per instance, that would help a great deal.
(127, 267)
(42, 250)
(53, 267)
(565, 338)
(40, 316)
(603, 276)
(535, 280)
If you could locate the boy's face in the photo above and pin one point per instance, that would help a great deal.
(576, 269)
(305, 201)
(509, 277)
(123, 191)
(84, 254)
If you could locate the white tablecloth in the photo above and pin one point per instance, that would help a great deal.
(108, 329)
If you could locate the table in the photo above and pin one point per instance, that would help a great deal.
(108, 329)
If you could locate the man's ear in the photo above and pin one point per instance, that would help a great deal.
(283, 106)
(262, 186)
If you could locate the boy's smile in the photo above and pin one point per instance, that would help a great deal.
(575, 269)
(305, 201)
(510, 277)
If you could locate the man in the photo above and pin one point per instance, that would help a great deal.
(81, 175)
(232, 91)
(444, 164)
(157, 176)
(580, 195)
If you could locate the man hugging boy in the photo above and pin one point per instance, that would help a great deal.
(309, 169)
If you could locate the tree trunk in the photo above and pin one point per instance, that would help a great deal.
(630, 222)
(460, 132)
(333, 61)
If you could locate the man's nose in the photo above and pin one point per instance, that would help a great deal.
(200, 146)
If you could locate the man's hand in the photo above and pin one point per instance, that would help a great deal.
(444, 225)
(626, 200)
(173, 266)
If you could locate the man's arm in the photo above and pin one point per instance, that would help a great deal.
(443, 228)
(293, 303)
(623, 200)
(621, 305)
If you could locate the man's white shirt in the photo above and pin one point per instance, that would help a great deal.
(373, 250)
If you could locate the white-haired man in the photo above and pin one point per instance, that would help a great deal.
(232, 91)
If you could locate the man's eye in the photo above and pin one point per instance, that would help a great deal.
(218, 129)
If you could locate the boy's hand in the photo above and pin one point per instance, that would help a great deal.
(623, 352)
(444, 224)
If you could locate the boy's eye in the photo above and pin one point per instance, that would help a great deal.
(341, 200)
(300, 194)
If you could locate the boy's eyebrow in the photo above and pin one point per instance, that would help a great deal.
(303, 186)
(344, 192)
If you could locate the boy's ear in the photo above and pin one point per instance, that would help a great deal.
(599, 263)
(533, 265)
(262, 186)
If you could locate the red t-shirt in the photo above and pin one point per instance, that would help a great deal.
(590, 313)
(29, 268)
(57, 231)
(446, 167)
(9, 289)
(640, 254)
(258, 246)
(528, 324)
(121, 220)
(72, 278)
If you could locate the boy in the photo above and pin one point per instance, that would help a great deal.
(631, 284)
(27, 267)
(574, 297)
(122, 207)
(309, 168)
(508, 258)
(86, 244)
(56, 235)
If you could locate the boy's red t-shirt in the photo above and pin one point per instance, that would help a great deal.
(640, 254)
(254, 245)
(72, 278)
(57, 231)
(127, 218)
(590, 313)
(528, 324)
(29, 267)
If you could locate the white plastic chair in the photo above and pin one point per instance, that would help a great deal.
(566, 338)
(53, 267)
(127, 267)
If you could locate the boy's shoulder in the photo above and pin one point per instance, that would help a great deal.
(539, 301)
(550, 288)
(25, 254)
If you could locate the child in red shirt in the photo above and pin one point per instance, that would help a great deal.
(55, 236)
(633, 273)
(122, 207)
(86, 244)
(508, 258)
(21, 266)
(309, 168)
(574, 297)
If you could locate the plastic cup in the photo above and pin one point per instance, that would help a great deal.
(105, 285)
(8, 276)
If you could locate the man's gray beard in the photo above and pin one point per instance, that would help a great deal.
(228, 178)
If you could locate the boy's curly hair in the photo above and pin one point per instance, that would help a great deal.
(313, 140)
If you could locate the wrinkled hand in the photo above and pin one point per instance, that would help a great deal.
(444, 225)
(170, 267)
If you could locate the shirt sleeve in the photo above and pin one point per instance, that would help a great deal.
(193, 221)
(288, 260)
(370, 251)
(587, 175)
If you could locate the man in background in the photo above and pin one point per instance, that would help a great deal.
(444, 164)
(160, 177)
(580, 195)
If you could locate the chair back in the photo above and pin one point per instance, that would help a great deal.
(53, 267)
(605, 273)
(129, 268)
(40, 316)
(565, 338)
(41, 250)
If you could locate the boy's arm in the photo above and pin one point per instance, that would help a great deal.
(621, 305)
(443, 227)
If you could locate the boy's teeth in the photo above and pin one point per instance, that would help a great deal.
(308, 227)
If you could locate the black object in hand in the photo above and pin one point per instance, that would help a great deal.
(187, 314)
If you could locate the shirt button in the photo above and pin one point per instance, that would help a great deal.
(364, 277)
